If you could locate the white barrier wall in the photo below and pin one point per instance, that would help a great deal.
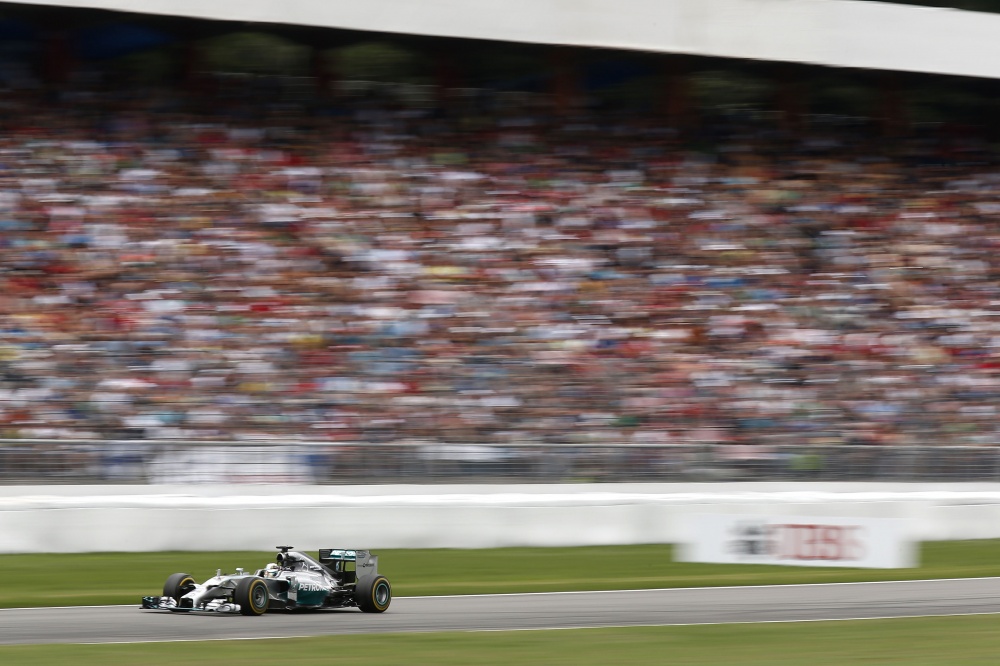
(155, 518)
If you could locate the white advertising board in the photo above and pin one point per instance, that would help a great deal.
(877, 543)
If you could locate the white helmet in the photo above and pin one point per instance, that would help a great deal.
(271, 570)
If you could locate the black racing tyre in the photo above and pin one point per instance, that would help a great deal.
(178, 585)
(252, 596)
(373, 594)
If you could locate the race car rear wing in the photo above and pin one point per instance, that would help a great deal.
(329, 555)
(366, 564)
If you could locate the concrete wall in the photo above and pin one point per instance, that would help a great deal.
(155, 518)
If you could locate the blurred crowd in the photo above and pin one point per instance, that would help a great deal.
(393, 274)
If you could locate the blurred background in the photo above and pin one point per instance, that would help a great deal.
(255, 252)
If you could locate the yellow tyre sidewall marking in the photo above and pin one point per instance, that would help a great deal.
(250, 594)
(379, 582)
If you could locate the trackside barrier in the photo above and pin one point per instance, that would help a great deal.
(597, 458)
(65, 518)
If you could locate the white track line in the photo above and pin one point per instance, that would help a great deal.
(569, 592)
(705, 587)
(499, 631)
(610, 626)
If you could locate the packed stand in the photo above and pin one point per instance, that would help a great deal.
(388, 274)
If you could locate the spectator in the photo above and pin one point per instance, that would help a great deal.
(393, 277)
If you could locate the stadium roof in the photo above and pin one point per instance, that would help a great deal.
(842, 33)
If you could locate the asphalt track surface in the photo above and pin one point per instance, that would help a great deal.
(511, 612)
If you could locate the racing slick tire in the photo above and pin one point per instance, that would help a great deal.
(373, 594)
(178, 585)
(252, 596)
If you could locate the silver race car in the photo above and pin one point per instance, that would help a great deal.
(336, 579)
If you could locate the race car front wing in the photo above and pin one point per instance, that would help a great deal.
(170, 604)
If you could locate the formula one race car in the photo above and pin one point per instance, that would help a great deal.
(337, 579)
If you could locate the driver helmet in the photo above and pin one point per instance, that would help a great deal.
(271, 570)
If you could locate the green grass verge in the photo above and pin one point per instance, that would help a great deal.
(122, 578)
(964, 641)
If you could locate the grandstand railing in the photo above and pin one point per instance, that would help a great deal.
(160, 462)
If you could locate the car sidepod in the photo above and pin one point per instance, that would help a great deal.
(307, 591)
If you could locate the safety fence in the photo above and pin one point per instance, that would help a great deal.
(156, 462)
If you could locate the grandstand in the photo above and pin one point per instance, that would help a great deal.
(269, 243)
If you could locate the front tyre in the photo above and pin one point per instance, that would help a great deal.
(251, 595)
(373, 594)
(178, 585)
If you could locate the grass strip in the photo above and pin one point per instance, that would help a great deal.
(122, 578)
(952, 641)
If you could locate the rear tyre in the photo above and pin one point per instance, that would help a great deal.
(178, 585)
(373, 595)
(252, 596)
